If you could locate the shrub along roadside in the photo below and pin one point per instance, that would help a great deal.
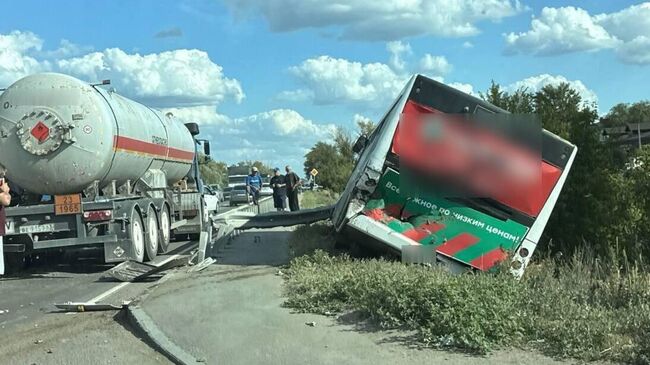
(579, 309)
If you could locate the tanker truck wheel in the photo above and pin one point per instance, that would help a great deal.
(165, 225)
(136, 233)
(152, 237)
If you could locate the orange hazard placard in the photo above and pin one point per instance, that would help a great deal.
(67, 204)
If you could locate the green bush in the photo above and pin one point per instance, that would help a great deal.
(580, 309)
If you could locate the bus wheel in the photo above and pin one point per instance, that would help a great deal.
(152, 237)
(136, 234)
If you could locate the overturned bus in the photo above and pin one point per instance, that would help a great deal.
(451, 179)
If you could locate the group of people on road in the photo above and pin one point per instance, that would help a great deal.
(285, 187)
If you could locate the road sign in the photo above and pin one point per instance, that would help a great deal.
(313, 172)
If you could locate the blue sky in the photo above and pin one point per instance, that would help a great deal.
(267, 78)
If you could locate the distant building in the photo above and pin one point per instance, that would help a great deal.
(630, 134)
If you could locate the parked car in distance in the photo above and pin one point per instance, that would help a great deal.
(211, 200)
(239, 195)
(266, 190)
(226, 192)
(217, 189)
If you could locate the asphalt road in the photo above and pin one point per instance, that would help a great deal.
(31, 294)
(33, 330)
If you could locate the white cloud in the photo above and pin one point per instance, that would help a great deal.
(296, 95)
(570, 29)
(536, 83)
(16, 60)
(636, 51)
(179, 77)
(561, 30)
(277, 137)
(628, 23)
(360, 118)
(380, 20)
(204, 115)
(67, 49)
(434, 65)
(466, 88)
(327, 80)
(468, 44)
(337, 80)
(284, 122)
(396, 49)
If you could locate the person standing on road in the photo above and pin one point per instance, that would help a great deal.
(293, 184)
(5, 200)
(254, 184)
(279, 185)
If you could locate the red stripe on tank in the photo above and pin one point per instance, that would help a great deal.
(180, 154)
(127, 144)
(489, 259)
(458, 243)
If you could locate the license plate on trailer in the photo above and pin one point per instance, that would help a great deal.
(36, 228)
(67, 204)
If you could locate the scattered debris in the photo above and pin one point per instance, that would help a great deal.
(194, 257)
(311, 324)
(88, 306)
(134, 271)
(202, 265)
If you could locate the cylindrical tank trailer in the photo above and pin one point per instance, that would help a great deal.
(58, 135)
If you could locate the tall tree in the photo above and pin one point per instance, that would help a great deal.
(624, 113)
(334, 161)
(213, 172)
(366, 127)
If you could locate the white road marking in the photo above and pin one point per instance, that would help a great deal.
(119, 286)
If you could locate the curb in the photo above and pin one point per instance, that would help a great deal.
(157, 339)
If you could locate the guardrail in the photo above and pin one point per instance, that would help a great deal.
(220, 231)
(265, 205)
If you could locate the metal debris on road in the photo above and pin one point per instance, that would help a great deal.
(202, 265)
(88, 306)
(134, 271)
(194, 255)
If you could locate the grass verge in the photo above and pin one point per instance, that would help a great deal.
(581, 309)
(313, 199)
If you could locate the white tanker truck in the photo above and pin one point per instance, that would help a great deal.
(119, 174)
